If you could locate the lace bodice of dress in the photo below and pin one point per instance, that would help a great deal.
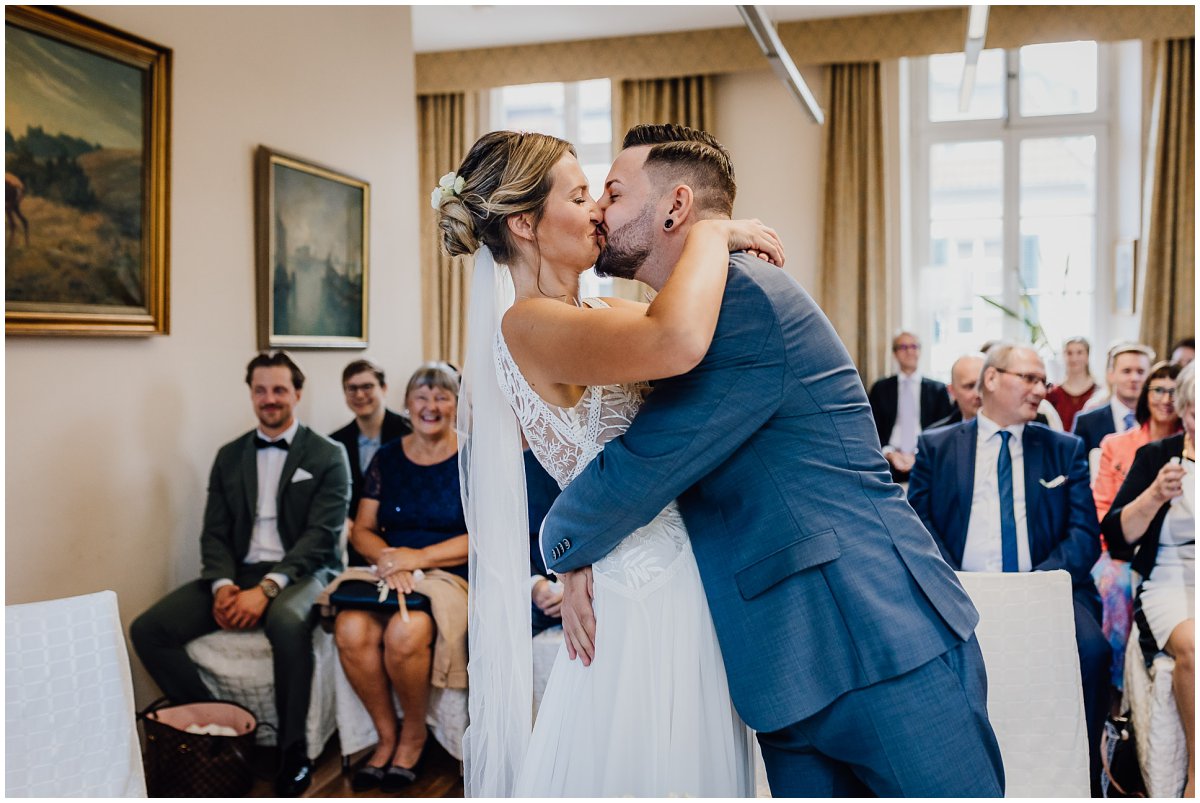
(566, 439)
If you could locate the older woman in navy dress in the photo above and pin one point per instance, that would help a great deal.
(410, 518)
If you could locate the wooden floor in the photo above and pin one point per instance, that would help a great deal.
(438, 777)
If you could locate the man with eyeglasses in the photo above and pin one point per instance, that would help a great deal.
(905, 404)
(1002, 493)
(374, 425)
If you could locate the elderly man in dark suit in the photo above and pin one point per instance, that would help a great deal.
(374, 424)
(277, 499)
(1001, 493)
(905, 404)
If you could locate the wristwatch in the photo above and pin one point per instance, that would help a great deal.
(269, 587)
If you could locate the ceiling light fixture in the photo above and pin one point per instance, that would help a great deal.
(977, 19)
(768, 42)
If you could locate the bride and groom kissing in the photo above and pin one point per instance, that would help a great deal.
(733, 548)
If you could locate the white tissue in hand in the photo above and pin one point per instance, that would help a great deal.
(211, 730)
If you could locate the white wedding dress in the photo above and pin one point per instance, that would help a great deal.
(651, 716)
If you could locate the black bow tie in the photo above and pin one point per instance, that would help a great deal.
(259, 443)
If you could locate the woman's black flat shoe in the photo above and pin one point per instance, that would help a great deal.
(397, 778)
(367, 778)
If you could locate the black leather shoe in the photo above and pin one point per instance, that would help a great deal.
(367, 778)
(295, 773)
(397, 778)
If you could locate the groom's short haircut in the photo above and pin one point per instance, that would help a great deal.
(683, 155)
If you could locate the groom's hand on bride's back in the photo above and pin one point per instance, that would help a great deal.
(579, 620)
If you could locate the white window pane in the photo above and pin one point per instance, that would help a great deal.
(945, 81)
(967, 265)
(595, 111)
(1058, 78)
(966, 180)
(533, 107)
(1058, 176)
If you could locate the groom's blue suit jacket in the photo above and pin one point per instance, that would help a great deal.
(819, 575)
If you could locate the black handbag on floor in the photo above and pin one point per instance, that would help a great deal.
(182, 764)
(1122, 774)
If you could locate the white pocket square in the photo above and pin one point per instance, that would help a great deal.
(301, 475)
(1054, 483)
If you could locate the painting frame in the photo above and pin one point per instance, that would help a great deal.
(271, 206)
(1125, 277)
(151, 315)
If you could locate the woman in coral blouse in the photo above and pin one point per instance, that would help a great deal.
(1157, 418)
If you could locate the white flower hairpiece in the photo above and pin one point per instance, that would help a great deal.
(448, 185)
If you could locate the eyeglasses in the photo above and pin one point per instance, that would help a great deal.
(1161, 392)
(365, 388)
(1028, 379)
(907, 347)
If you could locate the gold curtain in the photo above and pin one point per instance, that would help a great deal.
(1169, 201)
(855, 281)
(687, 100)
(446, 130)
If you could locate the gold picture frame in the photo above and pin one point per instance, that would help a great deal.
(312, 226)
(87, 177)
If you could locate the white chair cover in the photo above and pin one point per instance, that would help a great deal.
(1161, 744)
(237, 665)
(1035, 700)
(69, 709)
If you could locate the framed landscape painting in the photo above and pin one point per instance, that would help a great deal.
(313, 261)
(86, 177)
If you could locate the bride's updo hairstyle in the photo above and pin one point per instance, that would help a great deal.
(505, 173)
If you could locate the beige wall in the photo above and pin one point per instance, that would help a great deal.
(109, 441)
(776, 152)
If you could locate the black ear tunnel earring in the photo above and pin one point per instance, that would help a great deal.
(669, 223)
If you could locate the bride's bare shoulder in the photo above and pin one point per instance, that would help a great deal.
(524, 316)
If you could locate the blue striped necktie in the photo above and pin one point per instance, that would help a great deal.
(1008, 519)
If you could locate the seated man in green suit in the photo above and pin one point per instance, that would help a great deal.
(277, 499)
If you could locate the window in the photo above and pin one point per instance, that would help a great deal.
(580, 113)
(1005, 197)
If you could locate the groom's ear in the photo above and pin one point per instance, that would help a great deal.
(682, 204)
(521, 226)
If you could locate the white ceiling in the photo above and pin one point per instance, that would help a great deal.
(462, 27)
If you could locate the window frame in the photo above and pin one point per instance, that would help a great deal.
(1010, 130)
(589, 153)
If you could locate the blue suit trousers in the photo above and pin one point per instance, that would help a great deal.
(902, 737)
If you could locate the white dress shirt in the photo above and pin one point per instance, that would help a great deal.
(1119, 411)
(982, 551)
(265, 544)
(911, 385)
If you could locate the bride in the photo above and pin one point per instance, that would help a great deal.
(650, 714)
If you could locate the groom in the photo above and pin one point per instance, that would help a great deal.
(848, 642)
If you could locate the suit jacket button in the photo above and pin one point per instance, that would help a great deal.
(566, 543)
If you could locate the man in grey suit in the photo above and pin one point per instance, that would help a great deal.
(277, 500)
(848, 642)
